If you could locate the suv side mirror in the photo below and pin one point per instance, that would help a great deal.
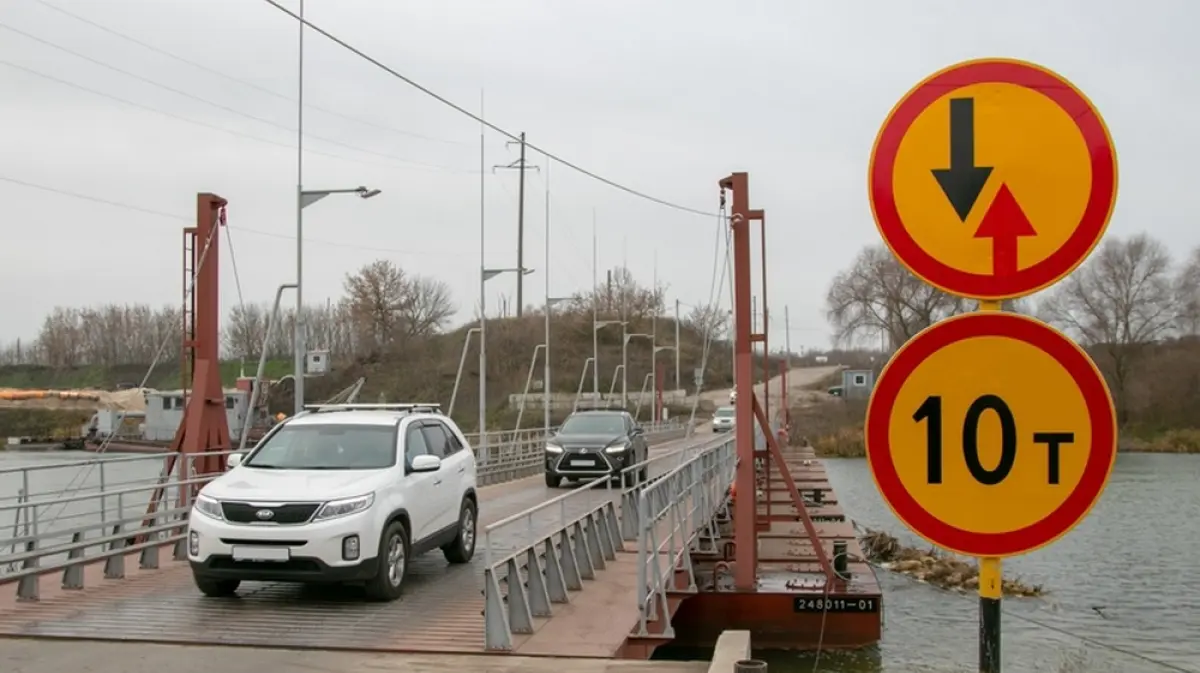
(637, 430)
(426, 463)
(233, 460)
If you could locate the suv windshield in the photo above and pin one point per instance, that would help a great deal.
(594, 424)
(327, 447)
(725, 412)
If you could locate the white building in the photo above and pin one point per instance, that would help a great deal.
(164, 413)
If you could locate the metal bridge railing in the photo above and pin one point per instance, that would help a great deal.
(104, 518)
(65, 515)
(675, 515)
(534, 558)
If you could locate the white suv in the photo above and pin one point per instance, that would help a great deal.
(345, 493)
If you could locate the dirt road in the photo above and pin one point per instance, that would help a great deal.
(798, 379)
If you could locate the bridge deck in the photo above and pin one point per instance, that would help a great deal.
(440, 611)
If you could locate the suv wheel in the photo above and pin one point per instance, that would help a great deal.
(215, 588)
(552, 480)
(393, 564)
(463, 547)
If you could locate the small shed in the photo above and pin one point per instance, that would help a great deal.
(164, 413)
(857, 383)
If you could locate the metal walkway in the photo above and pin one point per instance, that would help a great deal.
(571, 539)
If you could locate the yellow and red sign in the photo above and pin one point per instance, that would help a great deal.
(991, 434)
(993, 179)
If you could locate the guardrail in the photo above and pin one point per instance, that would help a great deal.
(685, 502)
(66, 515)
(534, 558)
(103, 518)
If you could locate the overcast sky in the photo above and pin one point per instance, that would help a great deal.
(664, 97)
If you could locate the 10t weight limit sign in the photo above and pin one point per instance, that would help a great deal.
(930, 412)
(991, 434)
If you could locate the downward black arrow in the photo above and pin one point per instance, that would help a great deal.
(963, 181)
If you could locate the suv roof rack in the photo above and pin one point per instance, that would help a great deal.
(409, 407)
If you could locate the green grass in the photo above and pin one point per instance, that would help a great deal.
(165, 375)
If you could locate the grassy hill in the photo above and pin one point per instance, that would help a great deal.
(425, 369)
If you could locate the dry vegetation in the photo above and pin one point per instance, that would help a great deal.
(390, 327)
(935, 567)
(1134, 310)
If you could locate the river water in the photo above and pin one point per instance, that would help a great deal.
(1127, 578)
(1122, 587)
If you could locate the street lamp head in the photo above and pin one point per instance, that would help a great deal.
(368, 193)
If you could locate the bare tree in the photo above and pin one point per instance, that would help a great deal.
(1187, 296)
(710, 319)
(621, 295)
(424, 307)
(878, 297)
(1118, 303)
(388, 306)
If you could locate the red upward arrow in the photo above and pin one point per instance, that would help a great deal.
(1004, 222)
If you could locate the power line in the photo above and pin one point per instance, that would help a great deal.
(216, 105)
(194, 122)
(243, 82)
(461, 110)
(245, 230)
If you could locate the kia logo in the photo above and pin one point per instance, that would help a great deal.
(264, 514)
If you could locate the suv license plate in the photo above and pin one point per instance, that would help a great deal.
(261, 554)
(581, 463)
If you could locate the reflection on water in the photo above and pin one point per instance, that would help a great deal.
(1126, 578)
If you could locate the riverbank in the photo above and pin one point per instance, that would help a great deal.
(932, 566)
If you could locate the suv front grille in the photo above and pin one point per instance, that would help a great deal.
(292, 513)
(583, 462)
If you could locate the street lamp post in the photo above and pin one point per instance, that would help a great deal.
(625, 361)
(550, 302)
(486, 274)
(305, 198)
(654, 373)
(598, 325)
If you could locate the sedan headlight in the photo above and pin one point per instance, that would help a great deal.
(344, 507)
(553, 448)
(209, 507)
(616, 448)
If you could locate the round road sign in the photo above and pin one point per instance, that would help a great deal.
(991, 434)
(993, 179)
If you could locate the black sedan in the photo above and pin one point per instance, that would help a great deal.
(596, 444)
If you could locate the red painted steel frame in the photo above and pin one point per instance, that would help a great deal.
(747, 410)
(204, 428)
(745, 533)
(809, 528)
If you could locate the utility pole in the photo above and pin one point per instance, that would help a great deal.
(300, 350)
(595, 317)
(546, 353)
(520, 166)
(787, 336)
(483, 436)
(677, 386)
(654, 337)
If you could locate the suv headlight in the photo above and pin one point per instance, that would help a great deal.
(553, 448)
(616, 448)
(208, 507)
(344, 507)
